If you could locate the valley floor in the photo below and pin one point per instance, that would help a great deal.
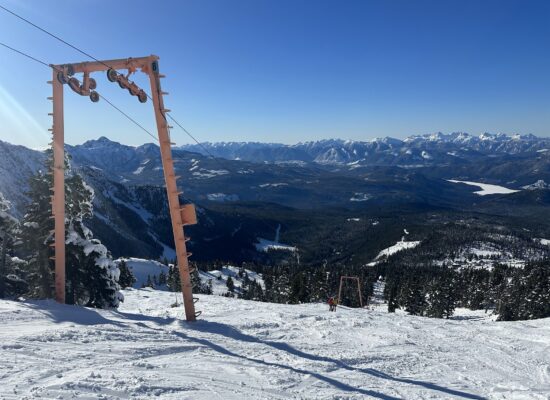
(249, 350)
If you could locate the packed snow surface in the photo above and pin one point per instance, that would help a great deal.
(249, 350)
(486, 188)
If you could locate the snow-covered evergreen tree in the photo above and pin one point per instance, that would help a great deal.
(126, 278)
(92, 276)
(9, 279)
(36, 233)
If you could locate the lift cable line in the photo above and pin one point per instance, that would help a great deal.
(205, 149)
(25, 54)
(181, 214)
(188, 200)
(215, 159)
(103, 97)
(52, 35)
(106, 65)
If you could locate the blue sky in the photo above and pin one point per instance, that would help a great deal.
(288, 70)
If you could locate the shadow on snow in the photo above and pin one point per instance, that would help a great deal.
(87, 316)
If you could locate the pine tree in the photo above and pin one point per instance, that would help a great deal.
(162, 278)
(126, 278)
(440, 299)
(299, 291)
(36, 235)
(537, 297)
(230, 284)
(11, 283)
(414, 299)
(91, 273)
(173, 279)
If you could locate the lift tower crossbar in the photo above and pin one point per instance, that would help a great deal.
(180, 215)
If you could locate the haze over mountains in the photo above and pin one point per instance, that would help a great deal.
(307, 191)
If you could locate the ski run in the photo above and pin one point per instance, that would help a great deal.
(251, 350)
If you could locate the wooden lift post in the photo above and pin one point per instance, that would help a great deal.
(180, 215)
(352, 278)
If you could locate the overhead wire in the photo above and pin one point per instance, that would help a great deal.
(25, 54)
(103, 63)
(103, 97)
(201, 145)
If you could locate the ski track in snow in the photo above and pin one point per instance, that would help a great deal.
(250, 350)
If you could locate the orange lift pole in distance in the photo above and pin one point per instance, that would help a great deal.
(180, 216)
(353, 278)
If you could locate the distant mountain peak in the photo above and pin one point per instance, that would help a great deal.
(102, 141)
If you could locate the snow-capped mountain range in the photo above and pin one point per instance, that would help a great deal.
(251, 189)
(424, 149)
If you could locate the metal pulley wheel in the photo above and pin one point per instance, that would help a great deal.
(62, 78)
(92, 84)
(94, 96)
(74, 84)
(142, 96)
(112, 75)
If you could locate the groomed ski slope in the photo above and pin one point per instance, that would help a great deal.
(249, 350)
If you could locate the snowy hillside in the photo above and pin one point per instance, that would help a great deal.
(218, 279)
(249, 350)
(144, 269)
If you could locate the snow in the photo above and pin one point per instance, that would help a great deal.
(222, 197)
(273, 185)
(209, 173)
(249, 350)
(266, 245)
(360, 197)
(486, 188)
(545, 242)
(399, 246)
(141, 269)
(219, 279)
(143, 213)
(540, 184)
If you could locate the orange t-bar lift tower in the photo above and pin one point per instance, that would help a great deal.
(180, 215)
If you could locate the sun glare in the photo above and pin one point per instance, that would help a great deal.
(20, 121)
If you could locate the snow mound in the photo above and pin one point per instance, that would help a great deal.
(250, 350)
(486, 189)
